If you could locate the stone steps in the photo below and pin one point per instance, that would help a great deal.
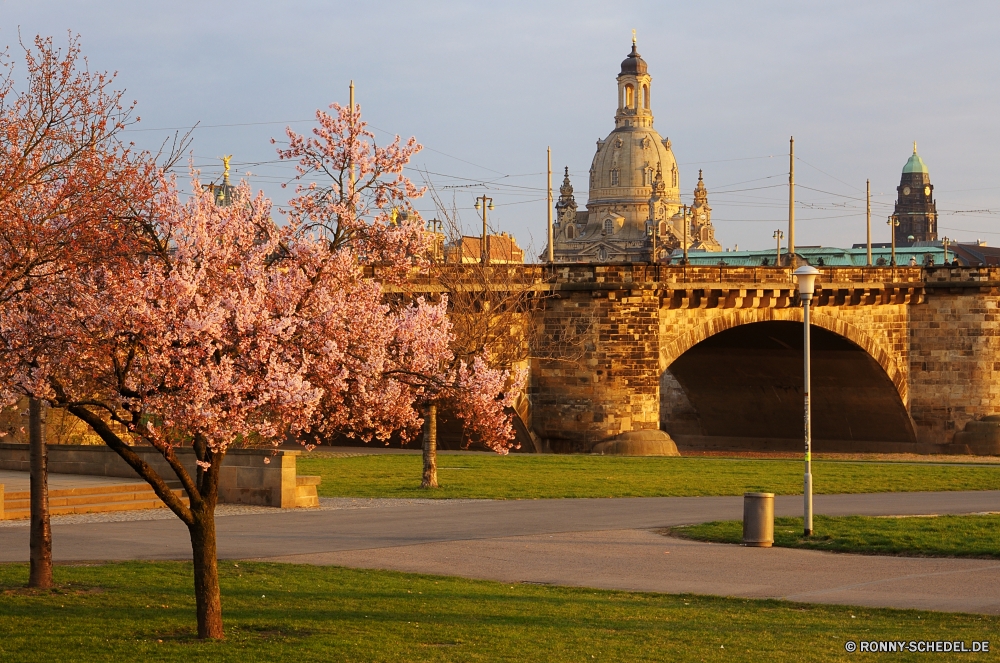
(98, 499)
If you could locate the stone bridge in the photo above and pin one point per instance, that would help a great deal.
(903, 358)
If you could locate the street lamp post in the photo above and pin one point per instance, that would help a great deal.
(434, 225)
(484, 206)
(652, 233)
(945, 241)
(806, 276)
(893, 223)
(778, 236)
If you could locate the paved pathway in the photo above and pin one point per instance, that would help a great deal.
(590, 542)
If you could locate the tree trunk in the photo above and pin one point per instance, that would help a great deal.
(40, 541)
(203, 493)
(430, 450)
(206, 573)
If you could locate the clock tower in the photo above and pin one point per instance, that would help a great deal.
(915, 209)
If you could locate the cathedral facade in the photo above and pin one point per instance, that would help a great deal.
(633, 207)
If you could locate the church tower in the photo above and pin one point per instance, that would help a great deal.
(703, 233)
(633, 92)
(915, 209)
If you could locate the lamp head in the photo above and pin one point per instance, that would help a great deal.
(491, 206)
(477, 204)
(806, 277)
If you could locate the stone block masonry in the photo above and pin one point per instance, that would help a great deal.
(929, 338)
(244, 477)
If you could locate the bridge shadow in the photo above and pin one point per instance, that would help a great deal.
(741, 389)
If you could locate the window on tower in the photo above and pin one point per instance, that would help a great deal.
(647, 177)
(614, 177)
(629, 96)
(570, 232)
(645, 97)
(609, 226)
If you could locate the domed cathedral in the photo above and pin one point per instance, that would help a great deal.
(915, 209)
(634, 189)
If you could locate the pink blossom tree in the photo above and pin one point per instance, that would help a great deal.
(225, 326)
(354, 193)
(70, 191)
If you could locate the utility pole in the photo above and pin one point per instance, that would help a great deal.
(685, 234)
(485, 249)
(778, 236)
(550, 206)
(868, 190)
(351, 192)
(791, 201)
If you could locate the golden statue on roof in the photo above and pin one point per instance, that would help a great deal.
(225, 162)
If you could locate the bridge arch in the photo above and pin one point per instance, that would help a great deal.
(739, 375)
(673, 347)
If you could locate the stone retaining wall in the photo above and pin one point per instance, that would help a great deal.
(245, 478)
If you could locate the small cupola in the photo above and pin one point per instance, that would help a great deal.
(633, 64)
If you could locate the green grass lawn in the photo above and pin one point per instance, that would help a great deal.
(552, 476)
(273, 612)
(940, 536)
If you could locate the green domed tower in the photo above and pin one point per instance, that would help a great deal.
(915, 206)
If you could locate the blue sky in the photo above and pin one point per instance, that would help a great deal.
(486, 87)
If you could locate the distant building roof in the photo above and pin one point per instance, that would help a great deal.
(503, 249)
(828, 256)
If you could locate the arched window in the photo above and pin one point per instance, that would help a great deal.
(647, 177)
(645, 97)
(663, 227)
(570, 232)
(629, 96)
(614, 177)
(609, 226)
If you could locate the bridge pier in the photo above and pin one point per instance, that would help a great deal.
(608, 382)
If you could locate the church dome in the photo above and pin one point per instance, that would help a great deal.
(633, 65)
(626, 162)
(915, 164)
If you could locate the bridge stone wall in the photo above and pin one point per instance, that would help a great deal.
(955, 351)
(933, 332)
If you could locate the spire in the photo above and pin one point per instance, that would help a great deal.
(566, 189)
(914, 147)
(700, 193)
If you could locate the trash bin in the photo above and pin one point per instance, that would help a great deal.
(758, 519)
